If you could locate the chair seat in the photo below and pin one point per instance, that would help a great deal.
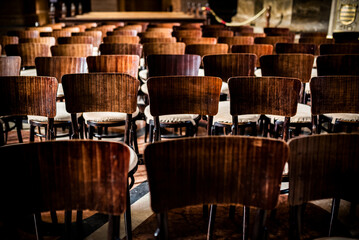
(304, 115)
(223, 116)
(343, 117)
(173, 118)
(61, 114)
(107, 116)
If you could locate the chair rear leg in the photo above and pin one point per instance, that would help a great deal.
(295, 220)
(212, 218)
(18, 123)
(113, 227)
(334, 215)
(246, 213)
(162, 231)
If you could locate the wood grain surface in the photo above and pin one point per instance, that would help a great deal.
(10, 66)
(257, 49)
(121, 48)
(73, 50)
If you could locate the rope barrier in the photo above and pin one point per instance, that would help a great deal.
(233, 24)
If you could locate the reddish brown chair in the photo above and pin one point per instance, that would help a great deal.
(121, 48)
(56, 34)
(238, 40)
(122, 39)
(97, 36)
(158, 40)
(76, 40)
(257, 49)
(154, 35)
(7, 40)
(313, 35)
(122, 32)
(217, 33)
(207, 49)
(25, 34)
(51, 41)
(193, 33)
(41, 29)
(273, 40)
(338, 64)
(28, 52)
(10, 66)
(201, 40)
(276, 31)
(73, 50)
(238, 30)
(104, 29)
(163, 48)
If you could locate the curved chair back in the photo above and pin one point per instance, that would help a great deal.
(257, 49)
(25, 34)
(104, 29)
(76, 40)
(207, 49)
(273, 40)
(190, 33)
(122, 39)
(74, 50)
(275, 31)
(28, 52)
(313, 35)
(10, 66)
(154, 34)
(51, 41)
(41, 29)
(339, 48)
(122, 32)
(158, 40)
(338, 64)
(217, 33)
(121, 48)
(346, 37)
(163, 48)
(56, 34)
(200, 40)
(238, 30)
(237, 40)
(97, 36)
(305, 48)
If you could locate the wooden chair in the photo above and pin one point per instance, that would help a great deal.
(207, 49)
(64, 175)
(335, 98)
(201, 40)
(313, 34)
(104, 29)
(10, 66)
(51, 41)
(154, 35)
(41, 29)
(182, 99)
(191, 25)
(72, 29)
(213, 27)
(338, 64)
(97, 36)
(164, 25)
(238, 40)
(191, 33)
(158, 40)
(217, 33)
(116, 23)
(237, 30)
(121, 48)
(305, 48)
(346, 37)
(143, 25)
(224, 175)
(122, 39)
(138, 27)
(29, 96)
(73, 50)
(25, 34)
(275, 31)
(165, 30)
(339, 48)
(295, 66)
(257, 49)
(273, 40)
(55, 26)
(28, 52)
(76, 40)
(321, 167)
(122, 32)
(162, 48)
(56, 34)
(7, 40)
(317, 41)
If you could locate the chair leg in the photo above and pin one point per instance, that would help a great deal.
(37, 223)
(150, 133)
(246, 212)
(32, 133)
(18, 123)
(259, 225)
(134, 136)
(113, 227)
(162, 232)
(146, 131)
(212, 217)
(128, 223)
(295, 220)
(334, 215)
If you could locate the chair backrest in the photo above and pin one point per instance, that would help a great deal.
(257, 49)
(70, 175)
(154, 34)
(100, 92)
(25, 34)
(114, 63)
(6, 40)
(28, 52)
(190, 33)
(122, 39)
(264, 95)
(157, 29)
(104, 29)
(184, 95)
(237, 30)
(237, 40)
(97, 36)
(158, 40)
(51, 41)
(167, 65)
(334, 94)
(28, 96)
(122, 32)
(305, 48)
(346, 37)
(75, 40)
(74, 50)
(323, 166)
(213, 27)
(40, 29)
(229, 65)
(206, 49)
(273, 40)
(211, 170)
(10, 66)
(121, 48)
(217, 33)
(56, 34)
(317, 41)
(339, 48)
(163, 48)
(313, 34)
(200, 40)
(338, 64)
(60, 65)
(275, 31)
(135, 26)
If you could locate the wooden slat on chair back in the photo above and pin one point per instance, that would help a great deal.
(28, 96)
(6, 40)
(167, 65)
(229, 65)
(56, 34)
(339, 48)
(121, 48)
(257, 49)
(165, 30)
(122, 39)
(217, 33)
(137, 27)
(201, 40)
(70, 175)
(306, 48)
(74, 50)
(190, 33)
(238, 40)
(158, 40)
(114, 63)
(211, 170)
(100, 92)
(28, 52)
(323, 166)
(51, 41)
(338, 64)
(76, 40)
(316, 40)
(335, 94)
(10, 66)
(60, 65)
(97, 36)
(122, 32)
(273, 40)
(265, 95)
(184, 95)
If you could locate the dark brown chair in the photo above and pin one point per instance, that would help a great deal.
(10, 66)
(201, 172)
(257, 49)
(76, 40)
(338, 64)
(213, 27)
(317, 41)
(191, 25)
(190, 33)
(237, 30)
(335, 99)
(28, 52)
(305, 48)
(321, 167)
(346, 37)
(56, 34)
(121, 48)
(238, 40)
(207, 49)
(313, 35)
(7, 40)
(64, 175)
(97, 36)
(122, 39)
(122, 32)
(183, 99)
(339, 48)
(276, 31)
(51, 41)
(273, 40)
(217, 33)
(201, 40)
(73, 50)
(158, 40)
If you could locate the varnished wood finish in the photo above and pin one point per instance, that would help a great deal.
(65, 175)
(346, 37)
(41, 29)
(74, 50)
(201, 40)
(313, 35)
(60, 65)
(191, 25)
(116, 23)
(237, 30)
(51, 41)
(55, 26)
(184, 172)
(335, 94)
(323, 166)
(206, 49)
(163, 48)
(165, 30)
(25, 34)
(76, 40)
(167, 65)
(137, 27)
(191, 33)
(184, 95)
(10, 66)
(154, 35)
(257, 49)
(306, 48)
(317, 41)
(122, 39)
(213, 27)
(273, 40)
(122, 32)
(275, 31)
(56, 34)
(238, 40)
(114, 63)
(229, 65)
(338, 64)
(217, 33)
(121, 48)
(339, 48)
(28, 52)
(107, 92)
(6, 40)
(97, 36)
(164, 25)
(158, 40)
(104, 29)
